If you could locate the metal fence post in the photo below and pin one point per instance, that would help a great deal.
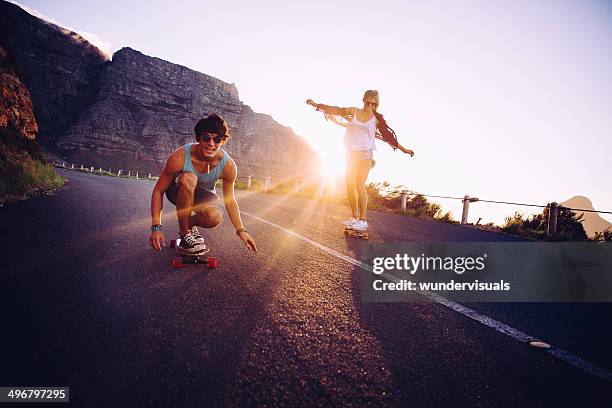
(249, 182)
(553, 214)
(266, 184)
(404, 200)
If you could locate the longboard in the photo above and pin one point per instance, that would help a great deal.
(198, 258)
(349, 232)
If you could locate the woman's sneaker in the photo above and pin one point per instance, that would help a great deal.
(360, 225)
(349, 222)
(191, 244)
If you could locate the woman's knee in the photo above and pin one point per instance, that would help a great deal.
(187, 181)
(361, 191)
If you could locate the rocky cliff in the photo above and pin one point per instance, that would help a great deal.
(15, 104)
(131, 112)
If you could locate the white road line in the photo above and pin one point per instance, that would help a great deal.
(472, 314)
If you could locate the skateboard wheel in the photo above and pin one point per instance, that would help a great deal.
(212, 262)
(177, 262)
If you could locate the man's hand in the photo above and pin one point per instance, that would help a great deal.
(248, 240)
(156, 240)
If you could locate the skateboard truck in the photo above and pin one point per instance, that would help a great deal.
(181, 261)
(185, 259)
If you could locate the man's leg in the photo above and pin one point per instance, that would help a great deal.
(362, 171)
(207, 217)
(187, 183)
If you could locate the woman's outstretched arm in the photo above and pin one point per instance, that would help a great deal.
(331, 110)
(405, 150)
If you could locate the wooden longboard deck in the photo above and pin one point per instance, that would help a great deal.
(349, 232)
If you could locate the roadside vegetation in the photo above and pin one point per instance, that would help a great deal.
(24, 170)
(569, 226)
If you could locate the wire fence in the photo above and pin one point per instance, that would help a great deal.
(474, 199)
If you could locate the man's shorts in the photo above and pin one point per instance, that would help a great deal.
(202, 198)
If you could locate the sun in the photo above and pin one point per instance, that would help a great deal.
(332, 162)
(333, 166)
(325, 137)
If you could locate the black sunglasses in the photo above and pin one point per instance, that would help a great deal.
(206, 138)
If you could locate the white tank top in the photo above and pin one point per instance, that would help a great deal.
(360, 135)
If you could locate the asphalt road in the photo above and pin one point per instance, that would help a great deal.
(86, 303)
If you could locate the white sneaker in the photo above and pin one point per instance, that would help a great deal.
(349, 222)
(360, 225)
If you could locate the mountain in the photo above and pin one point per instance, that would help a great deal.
(132, 111)
(592, 222)
(59, 68)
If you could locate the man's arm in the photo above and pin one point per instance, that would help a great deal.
(173, 165)
(231, 205)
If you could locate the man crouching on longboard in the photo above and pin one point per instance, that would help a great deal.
(189, 179)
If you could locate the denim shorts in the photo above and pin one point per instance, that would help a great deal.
(352, 157)
(202, 198)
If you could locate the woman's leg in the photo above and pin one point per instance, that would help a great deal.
(351, 191)
(362, 169)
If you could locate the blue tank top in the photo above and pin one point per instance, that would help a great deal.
(206, 181)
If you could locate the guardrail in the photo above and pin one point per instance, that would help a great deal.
(267, 181)
(120, 172)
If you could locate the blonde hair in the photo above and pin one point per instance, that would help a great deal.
(371, 93)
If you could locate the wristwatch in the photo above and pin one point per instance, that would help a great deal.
(156, 227)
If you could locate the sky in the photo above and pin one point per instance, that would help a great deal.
(501, 100)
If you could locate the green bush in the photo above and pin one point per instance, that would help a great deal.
(22, 178)
(23, 168)
(569, 226)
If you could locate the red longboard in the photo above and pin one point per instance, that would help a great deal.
(199, 258)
